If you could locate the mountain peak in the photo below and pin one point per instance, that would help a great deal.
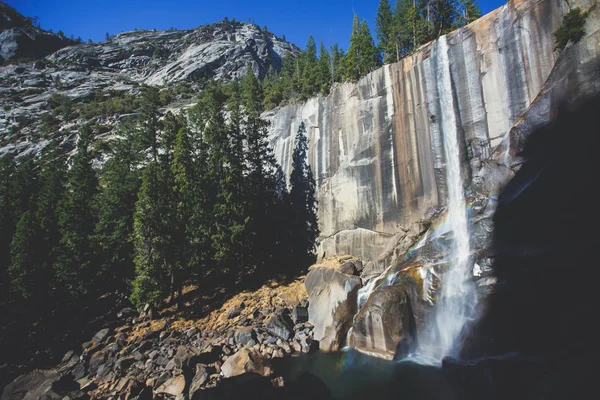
(22, 38)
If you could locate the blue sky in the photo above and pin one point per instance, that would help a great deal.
(327, 20)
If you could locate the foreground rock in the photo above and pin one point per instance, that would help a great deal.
(332, 305)
(387, 323)
(244, 361)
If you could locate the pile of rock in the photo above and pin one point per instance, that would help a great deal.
(149, 358)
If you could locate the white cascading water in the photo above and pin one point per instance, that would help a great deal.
(455, 306)
(456, 303)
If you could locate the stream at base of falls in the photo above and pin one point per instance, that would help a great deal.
(350, 374)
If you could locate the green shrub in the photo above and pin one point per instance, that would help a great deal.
(571, 29)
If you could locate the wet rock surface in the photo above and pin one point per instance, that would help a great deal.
(386, 324)
(332, 305)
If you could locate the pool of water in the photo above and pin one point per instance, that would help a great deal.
(352, 375)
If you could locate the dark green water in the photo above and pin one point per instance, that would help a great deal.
(350, 374)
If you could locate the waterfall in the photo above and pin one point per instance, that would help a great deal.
(456, 302)
(457, 299)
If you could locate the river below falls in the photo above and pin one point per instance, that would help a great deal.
(350, 374)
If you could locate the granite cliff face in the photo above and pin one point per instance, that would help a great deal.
(376, 147)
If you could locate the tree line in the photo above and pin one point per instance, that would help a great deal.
(198, 195)
(400, 30)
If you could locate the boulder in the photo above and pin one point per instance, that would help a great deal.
(332, 305)
(174, 386)
(244, 335)
(184, 359)
(79, 371)
(387, 323)
(246, 360)
(234, 312)
(299, 314)
(124, 363)
(32, 386)
(280, 325)
(307, 345)
(348, 268)
(126, 312)
(199, 379)
(100, 335)
(68, 355)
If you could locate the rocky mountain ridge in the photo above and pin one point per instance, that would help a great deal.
(180, 62)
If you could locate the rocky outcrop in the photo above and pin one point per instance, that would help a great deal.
(21, 39)
(223, 50)
(169, 356)
(332, 305)
(386, 325)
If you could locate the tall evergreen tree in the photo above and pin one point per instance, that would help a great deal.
(77, 218)
(310, 83)
(27, 277)
(149, 284)
(261, 175)
(149, 122)
(352, 59)
(8, 213)
(121, 180)
(362, 56)
(468, 11)
(337, 67)
(182, 202)
(225, 223)
(385, 31)
(202, 191)
(324, 77)
(303, 202)
(442, 16)
(370, 57)
(53, 175)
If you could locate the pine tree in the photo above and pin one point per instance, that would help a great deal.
(324, 78)
(121, 179)
(337, 67)
(442, 16)
(468, 11)
(282, 222)
(149, 123)
(384, 28)
(27, 277)
(182, 201)
(309, 69)
(26, 185)
(352, 59)
(77, 218)
(53, 176)
(303, 203)
(148, 285)
(8, 213)
(362, 56)
(269, 86)
(202, 191)
(261, 176)
(370, 57)
(220, 172)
